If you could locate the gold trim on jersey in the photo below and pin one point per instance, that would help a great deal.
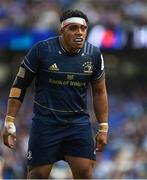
(58, 110)
(62, 72)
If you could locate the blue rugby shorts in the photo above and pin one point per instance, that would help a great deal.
(49, 144)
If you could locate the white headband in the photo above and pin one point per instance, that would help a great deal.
(78, 20)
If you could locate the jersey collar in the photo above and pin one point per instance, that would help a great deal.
(64, 50)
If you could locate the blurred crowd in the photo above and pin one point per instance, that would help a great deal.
(112, 23)
(44, 14)
(125, 156)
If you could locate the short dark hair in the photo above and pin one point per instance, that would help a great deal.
(73, 13)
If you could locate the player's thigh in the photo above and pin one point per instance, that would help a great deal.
(80, 167)
(44, 145)
(80, 143)
(39, 172)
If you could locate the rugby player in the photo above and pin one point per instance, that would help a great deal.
(62, 67)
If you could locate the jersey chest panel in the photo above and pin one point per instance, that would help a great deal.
(67, 70)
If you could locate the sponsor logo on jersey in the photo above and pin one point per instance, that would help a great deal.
(54, 67)
(70, 76)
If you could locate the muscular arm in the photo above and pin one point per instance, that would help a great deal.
(16, 96)
(100, 103)
(100, 100)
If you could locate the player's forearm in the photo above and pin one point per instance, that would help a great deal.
(100, 103)
(101, 111)
(13, 107)
(12, 110)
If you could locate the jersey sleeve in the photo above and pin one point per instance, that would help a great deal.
(31, 60)
(98, 68)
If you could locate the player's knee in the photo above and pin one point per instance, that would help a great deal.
(35, 174)
(85, 173)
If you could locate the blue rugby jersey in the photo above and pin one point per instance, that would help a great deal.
(61, 80)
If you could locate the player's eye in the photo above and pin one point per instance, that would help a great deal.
(83, 28)
(73, 27)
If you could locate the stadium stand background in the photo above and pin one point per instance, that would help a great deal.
(119, 29)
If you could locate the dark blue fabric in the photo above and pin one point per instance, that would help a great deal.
(49, 144)
(62, 80)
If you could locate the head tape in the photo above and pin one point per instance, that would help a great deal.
(71, 20)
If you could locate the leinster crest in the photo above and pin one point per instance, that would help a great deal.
(88, 67)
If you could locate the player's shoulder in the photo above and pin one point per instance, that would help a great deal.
(50, 44)
(90, 49)
(49, 41)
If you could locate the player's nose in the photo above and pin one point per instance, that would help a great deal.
(79, 31)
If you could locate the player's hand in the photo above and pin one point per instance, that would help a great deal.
(9, 137)
(101, 141)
